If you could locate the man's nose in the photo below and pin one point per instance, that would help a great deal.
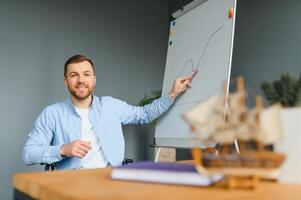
(81, 79)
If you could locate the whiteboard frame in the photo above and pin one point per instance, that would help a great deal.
(174, 142)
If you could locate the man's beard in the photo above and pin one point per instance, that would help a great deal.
(79, 97)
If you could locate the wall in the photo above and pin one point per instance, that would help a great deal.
(267, 41)
(125, 39)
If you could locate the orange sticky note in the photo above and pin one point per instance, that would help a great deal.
(231, 13)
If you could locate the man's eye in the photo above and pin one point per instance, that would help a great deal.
(87, 74)
(73, 75)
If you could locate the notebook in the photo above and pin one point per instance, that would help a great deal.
(168, 173)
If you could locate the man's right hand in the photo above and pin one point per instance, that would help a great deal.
(77, 148)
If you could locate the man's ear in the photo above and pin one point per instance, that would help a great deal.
(65, 81)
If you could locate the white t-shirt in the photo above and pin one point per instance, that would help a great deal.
(95, 158)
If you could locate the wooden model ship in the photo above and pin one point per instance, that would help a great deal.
(225, 119)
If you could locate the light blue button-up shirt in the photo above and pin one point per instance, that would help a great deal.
(60, 124)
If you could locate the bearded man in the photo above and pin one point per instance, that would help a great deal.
(85, 131)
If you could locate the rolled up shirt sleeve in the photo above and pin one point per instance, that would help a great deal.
(38, 148)
(129, 114)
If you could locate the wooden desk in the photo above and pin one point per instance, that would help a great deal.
(96, 184)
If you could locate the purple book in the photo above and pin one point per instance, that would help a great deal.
(168, 166)
(169, 173)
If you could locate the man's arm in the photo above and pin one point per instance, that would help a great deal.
(38, 147)
(146, 114)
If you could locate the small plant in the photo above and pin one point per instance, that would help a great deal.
(287, 90)
(150, 98)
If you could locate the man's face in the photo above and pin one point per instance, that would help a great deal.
(80, 80)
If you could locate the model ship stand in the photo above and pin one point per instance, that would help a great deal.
(234, 177)
(253, 162)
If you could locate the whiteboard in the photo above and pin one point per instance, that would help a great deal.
(202, 40)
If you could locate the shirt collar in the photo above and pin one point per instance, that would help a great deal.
(72, 107)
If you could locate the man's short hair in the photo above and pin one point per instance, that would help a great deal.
(77, 59)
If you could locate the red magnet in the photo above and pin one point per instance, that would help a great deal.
(231, 13)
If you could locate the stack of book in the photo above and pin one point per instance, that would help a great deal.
(169, 173)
